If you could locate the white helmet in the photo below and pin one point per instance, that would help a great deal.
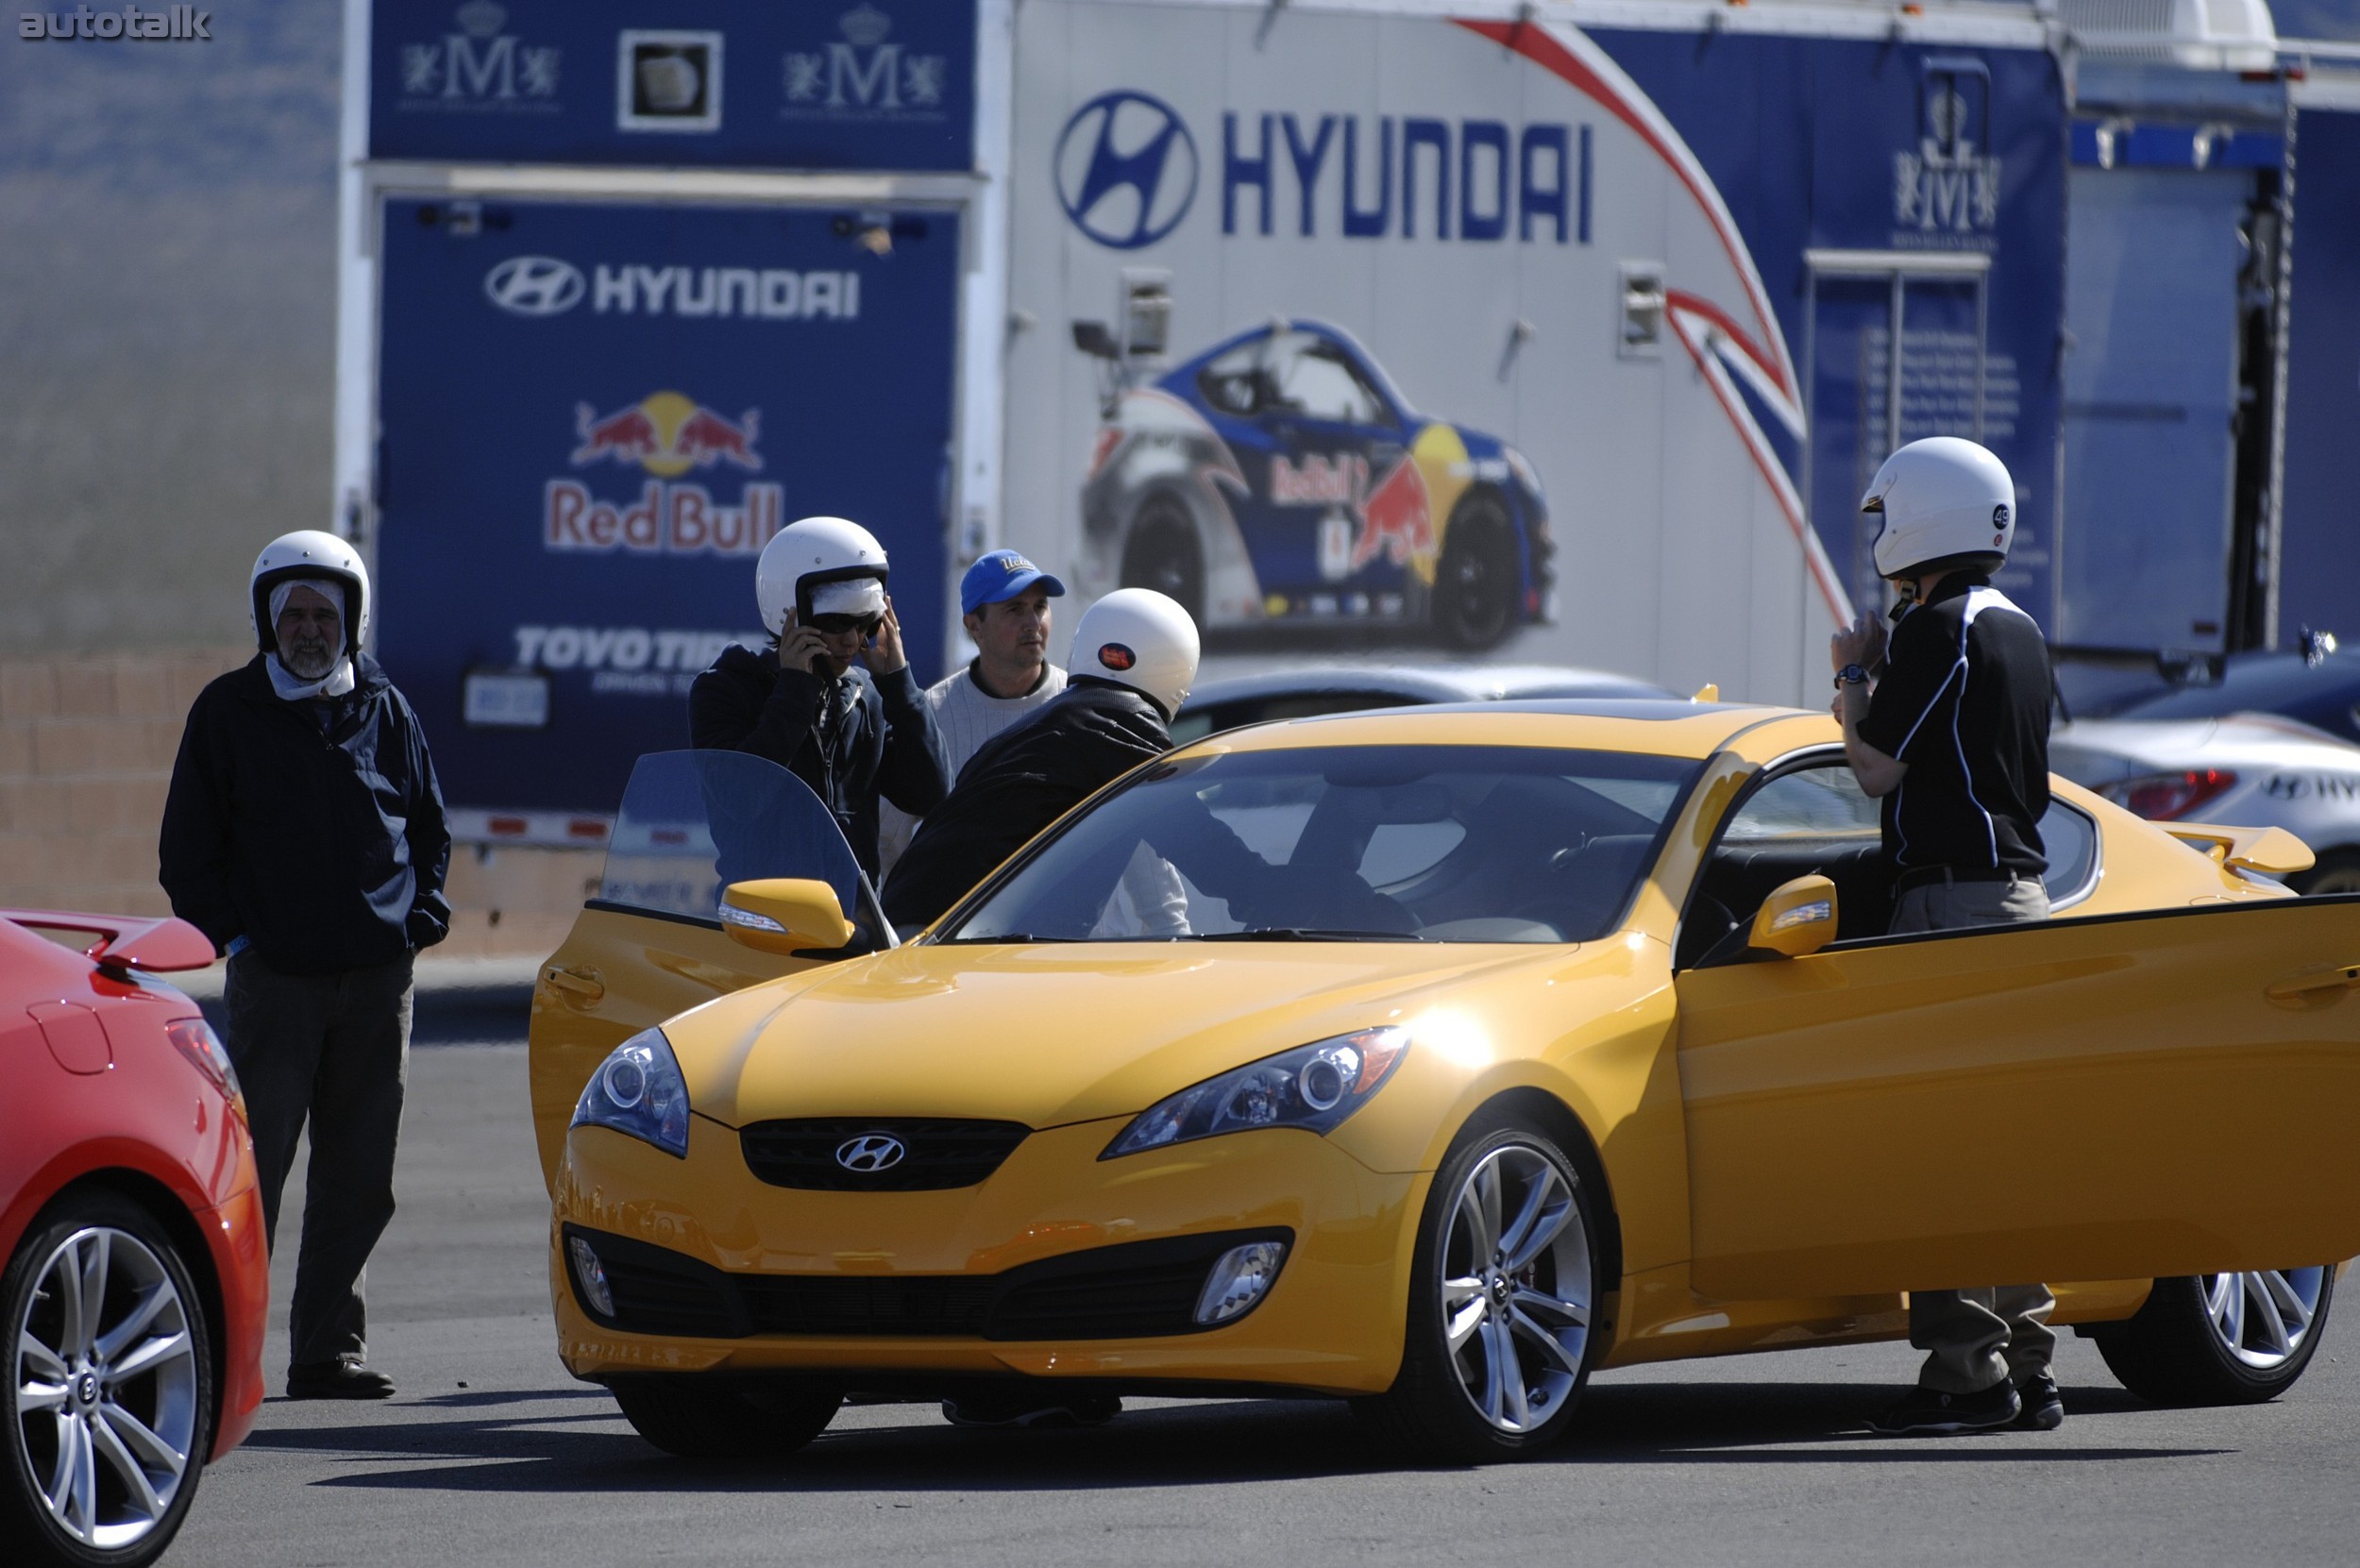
(1139, 638)
(810, 553)
(1946, 502)
(308, 552)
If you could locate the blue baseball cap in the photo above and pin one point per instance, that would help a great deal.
(1002, 574)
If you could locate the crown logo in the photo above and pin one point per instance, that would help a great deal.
(482, 18)
(865, 25)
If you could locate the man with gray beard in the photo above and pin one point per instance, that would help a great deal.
(304, 835)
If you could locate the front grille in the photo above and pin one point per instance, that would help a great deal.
(1139, 1289)
(941, 1153)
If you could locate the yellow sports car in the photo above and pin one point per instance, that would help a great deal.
(1431, 1059)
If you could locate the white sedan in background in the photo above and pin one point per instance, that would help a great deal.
(2244, 770)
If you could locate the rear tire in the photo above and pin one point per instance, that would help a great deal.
(2221, 1338)
(1506, 1281)
(109, 1403)
(1475, 581)
(1162, 553)
(708, 1417)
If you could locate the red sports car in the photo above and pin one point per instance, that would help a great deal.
(132, 1303)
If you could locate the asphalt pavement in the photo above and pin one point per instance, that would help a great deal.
(492, 1453)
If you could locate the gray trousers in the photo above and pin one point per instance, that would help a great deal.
(333, 1049)
(1975, 1339)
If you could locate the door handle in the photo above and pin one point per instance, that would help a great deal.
(577, 988)
(2309, 983)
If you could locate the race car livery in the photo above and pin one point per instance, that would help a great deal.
(1281, 476)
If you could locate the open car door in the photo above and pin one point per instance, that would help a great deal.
(652, 944)
(2116, 1097)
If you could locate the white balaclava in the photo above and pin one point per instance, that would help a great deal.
(286, 683)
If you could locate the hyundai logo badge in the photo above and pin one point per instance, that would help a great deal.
(1126, 169)
(534, 286)
(871, 1152)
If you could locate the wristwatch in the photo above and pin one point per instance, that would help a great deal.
(1850, 675)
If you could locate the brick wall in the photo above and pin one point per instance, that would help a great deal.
(86, 750)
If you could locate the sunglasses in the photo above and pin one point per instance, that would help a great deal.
(837, 626)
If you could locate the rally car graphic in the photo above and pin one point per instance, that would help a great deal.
(1281, 477)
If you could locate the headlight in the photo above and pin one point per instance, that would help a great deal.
(1313, 1087)
(639, 1091)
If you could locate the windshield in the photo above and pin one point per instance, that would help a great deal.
(692, 822)
(1360, 843)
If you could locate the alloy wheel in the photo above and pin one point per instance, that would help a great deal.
(107, 1388)
(1516, 1292)
(2261, 1317)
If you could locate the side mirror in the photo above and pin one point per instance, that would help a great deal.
(784, 915)
(1092, 338)
(1798, 919)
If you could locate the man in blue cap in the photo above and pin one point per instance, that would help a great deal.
(1003, 603)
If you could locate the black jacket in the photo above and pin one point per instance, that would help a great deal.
(876, 737)
(324, 847)
(1016, 783)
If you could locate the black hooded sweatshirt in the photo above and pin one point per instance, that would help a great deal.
(313, 829)
(869, 738)
(1020, 780)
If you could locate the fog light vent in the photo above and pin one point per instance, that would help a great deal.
(590, 1278)
(1240, 1279)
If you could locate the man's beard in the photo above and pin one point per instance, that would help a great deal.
(309, 661)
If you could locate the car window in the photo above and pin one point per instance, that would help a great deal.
(1439, 843)
(692, 822)
(1236, 382)
(1816, 800)
(1315, 381)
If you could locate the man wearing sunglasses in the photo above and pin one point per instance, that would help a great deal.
(855, 734)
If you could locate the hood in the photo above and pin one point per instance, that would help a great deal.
(1047, 1035)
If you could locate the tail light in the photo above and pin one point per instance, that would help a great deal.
(195, 1038)
(2165, 797)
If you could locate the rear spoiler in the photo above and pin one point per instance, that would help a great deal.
(162, 943)
(2272, 851)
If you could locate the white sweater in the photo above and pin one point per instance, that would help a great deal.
(964, 717)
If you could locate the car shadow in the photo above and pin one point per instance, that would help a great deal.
(584, 1447)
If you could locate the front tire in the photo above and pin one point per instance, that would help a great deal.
(107, 1412)
(708, 1417)
(1476, 581)
(1502, 1298)
(2221, 1338)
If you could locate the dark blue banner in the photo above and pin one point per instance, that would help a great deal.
(844, 84)
(2319, 555)
(1933, 156)
(592, 420)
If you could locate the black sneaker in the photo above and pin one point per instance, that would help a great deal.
(2043, 1405)
(1027, 1408)
(337, 1379)
(1929, 1412)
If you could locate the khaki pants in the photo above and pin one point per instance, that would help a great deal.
(1975, 1339)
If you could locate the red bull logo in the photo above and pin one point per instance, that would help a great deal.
(665, 435)
(1397, 519)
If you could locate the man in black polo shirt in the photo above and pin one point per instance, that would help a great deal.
(1954, 736)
